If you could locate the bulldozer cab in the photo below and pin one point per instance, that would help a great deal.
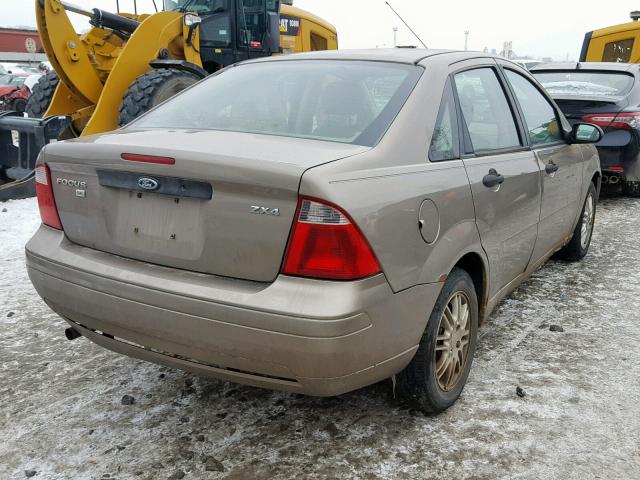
(617, 43)
(233, 30)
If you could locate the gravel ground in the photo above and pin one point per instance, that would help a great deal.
(62, 414)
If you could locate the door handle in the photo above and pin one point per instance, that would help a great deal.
(492, 179)
(551, 168)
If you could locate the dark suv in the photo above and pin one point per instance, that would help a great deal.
(608, 95)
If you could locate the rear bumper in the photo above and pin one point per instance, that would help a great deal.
(623, 163)
(302, 335)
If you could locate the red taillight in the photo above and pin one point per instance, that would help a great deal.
(326, 244)
(46, 202)
(134, 157)
(625, 120)
(615, 168)
(255, 44)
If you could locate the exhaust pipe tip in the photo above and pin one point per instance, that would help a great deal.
(72, 333)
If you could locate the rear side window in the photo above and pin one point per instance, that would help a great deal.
(444, 142)
(541, 119)
(618, 51)
(486, 111)
(318, 42)
(340, 101)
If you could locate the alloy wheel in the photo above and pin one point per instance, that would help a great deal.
(452, 342)
(587, 222)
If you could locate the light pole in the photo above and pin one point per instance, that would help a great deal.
(395, 37)
(466, 40)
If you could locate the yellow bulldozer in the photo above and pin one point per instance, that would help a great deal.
(127, 63)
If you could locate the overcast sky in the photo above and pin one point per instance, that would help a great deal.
(539, 28)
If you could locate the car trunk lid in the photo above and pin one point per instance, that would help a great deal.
(225, 207)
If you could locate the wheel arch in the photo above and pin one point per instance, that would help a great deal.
(474, 264)
(596, 179)
(181, 65)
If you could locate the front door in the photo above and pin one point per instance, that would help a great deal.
(503, 172)
(560, 164)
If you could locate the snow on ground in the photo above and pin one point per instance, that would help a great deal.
(62, 417)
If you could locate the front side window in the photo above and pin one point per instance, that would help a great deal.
(215, 30)
(618, 51)
(541, 119)
(485, 110)
(444, 142)
(341, 101)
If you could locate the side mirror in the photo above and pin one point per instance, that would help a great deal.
(585, 133)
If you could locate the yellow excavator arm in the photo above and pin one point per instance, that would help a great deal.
(96, 68)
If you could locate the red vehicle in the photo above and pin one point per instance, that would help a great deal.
(13, 92)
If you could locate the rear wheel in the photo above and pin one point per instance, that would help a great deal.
(578, 247)
(436, 376)
(42, 94)
(151, 89)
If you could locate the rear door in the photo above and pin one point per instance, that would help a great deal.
(560, 163)
(504, 174)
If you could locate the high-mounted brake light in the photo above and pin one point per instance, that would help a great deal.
(134, 157)
(46, 201)
(326, 244)
(624, 120)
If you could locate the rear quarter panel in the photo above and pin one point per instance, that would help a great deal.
(384, 188)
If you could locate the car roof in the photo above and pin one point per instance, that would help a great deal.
(410, 56)
(609, 66)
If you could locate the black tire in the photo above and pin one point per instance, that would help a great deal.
(419, 384)
(151, 89)
(42, 95)
(19, 105)
(578, 247)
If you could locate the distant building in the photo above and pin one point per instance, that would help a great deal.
(20, 45)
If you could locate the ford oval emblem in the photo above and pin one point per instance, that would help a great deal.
(148, 183)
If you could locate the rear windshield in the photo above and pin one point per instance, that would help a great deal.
(583, 83)
(340, 101)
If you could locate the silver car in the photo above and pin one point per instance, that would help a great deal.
(316, 223)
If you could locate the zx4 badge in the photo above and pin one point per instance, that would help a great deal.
(258, 210)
